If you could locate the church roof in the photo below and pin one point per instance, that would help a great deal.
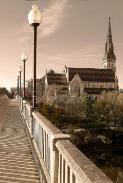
(92, 74)
(56, 78)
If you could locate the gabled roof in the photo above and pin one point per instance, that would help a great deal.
(56, 79)
(76, 79)
(91, 74)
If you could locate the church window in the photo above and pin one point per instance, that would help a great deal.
(77, 90)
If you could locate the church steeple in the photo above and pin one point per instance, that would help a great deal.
(109, 57)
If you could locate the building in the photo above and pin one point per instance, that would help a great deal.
(55, 83)
(93, 81)
(89, 81)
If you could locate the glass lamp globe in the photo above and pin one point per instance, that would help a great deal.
(34, 16)
(24, 56)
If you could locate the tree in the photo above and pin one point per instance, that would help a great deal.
(102, 110)
(62, 95)
(109, 109)
(76, 106)
(51, 71)
(4, 91)
(88, 107)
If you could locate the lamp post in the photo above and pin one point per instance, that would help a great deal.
(20, 80)
(24, 58)
(34, 18)
(18, 85)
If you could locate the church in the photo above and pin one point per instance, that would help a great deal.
(88, 81)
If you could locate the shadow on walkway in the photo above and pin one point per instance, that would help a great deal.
(16, 160)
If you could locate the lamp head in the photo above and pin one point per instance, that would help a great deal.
(24, 56)
(34, 16)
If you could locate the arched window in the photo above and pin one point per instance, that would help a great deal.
(77, 90)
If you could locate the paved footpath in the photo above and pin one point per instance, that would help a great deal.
(16, 160)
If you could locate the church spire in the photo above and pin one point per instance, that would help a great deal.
(109, 29)
(109, 57)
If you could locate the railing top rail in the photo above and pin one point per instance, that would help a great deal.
(28, 106)
(81, 166)
(46, 124)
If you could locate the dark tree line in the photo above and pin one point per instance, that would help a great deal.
(4, 91)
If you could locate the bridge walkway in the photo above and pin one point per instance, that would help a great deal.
(16, 160)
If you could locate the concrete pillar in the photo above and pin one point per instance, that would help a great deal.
(54, 157)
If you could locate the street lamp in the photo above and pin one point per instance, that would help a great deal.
(24, 58)
(34, 18)
(20, 71)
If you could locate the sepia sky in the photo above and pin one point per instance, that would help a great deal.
(72, 33)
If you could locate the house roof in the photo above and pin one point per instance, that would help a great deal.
(57, 79)
(92, 74)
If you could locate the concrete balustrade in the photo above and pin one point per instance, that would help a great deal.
(28, 116)
(58, 161)
(75, 167)
(21, 104)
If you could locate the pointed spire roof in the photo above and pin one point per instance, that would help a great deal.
(109, 28)
(109, 47)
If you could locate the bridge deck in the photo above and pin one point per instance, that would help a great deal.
(16, 160)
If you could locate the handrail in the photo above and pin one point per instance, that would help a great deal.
(47, 125)
(60, 160)
(77, 166)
